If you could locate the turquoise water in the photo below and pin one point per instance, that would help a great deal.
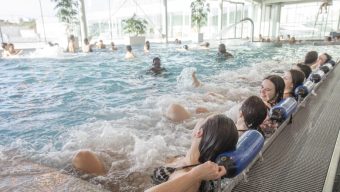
(50, 107)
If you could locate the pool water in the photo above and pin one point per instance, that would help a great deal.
(53, 104)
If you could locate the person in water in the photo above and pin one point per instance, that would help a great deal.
(205, 45)
(157, 69)
(147, 47)
(71, 47)
(222, 52)
(101, 45)
(4, 49)
(113, 46)
(87, 47)
(272, 89)
(129, 54)
(311, 58)
(252, 114)
(203, 172)
(304, 68)
(271, 93)
(322, 59)
(292, 79)
(210, 137)
(9, 50)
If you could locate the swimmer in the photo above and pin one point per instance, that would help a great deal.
(272, 89)
(203, 172)
(292, 41)
(129, 54)
(71, 47)
(147, 47)
(113, 46)
(157, 69)
(252, 114)
(210, 137)
(311, 58)
(205, 45)
(10, 51)
(303, 68)
(292, 79)
(4, 49)
(222, 52)
(271, 93)
(100, 45)
(322, 59)
(87, 47)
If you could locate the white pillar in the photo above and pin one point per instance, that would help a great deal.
(220, 14)
(275, 20)
(165, 19)
(83, 25)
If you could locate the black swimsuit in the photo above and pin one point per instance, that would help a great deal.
(162, 174)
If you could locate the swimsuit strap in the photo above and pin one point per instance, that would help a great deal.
(187, 166)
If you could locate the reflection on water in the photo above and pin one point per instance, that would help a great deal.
(53, 104)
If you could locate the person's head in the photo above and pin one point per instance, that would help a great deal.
(206, 44)
(221, 48)
(292, 40)
(4, 46)
(72, 37)
(156, 62)
(304, 68)
(128, 48)
(100, 41)
(272, 89)
(112, 44)
(86, 41)
(185, 47)
(311, 57)
(328, 39)
(214, 135)
(253, 111)
(288, 36)
(147, 45)
(10, 47)
(323, 58)
(268, 39)
(293, 78)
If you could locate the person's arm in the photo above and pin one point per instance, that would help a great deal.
(206, 171)
(195, 81)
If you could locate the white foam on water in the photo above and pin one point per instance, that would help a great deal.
(47, 51)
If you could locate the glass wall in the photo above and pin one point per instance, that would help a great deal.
(305, 20)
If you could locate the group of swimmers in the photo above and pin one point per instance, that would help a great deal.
(9, 50)
(216, 133)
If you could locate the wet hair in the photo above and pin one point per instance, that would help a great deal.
(185, 47)
(297, 78)
(156, 59)
(311, 57)
(329, 38)
(86, 41)
(328, 57)
(147, 45)
(4, 45)
(72, 37)
(129, 48)
(279, 87)
(305, 69)
(221, 48)
(206, 44)
(219, 135)
(254, 112)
